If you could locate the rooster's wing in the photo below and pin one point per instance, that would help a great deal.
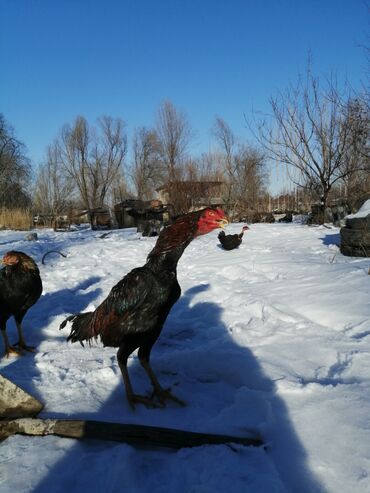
(121, 312)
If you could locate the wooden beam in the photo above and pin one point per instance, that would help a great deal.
(119, 432)
(15, 402)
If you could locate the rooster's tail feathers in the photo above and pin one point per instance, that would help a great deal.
(81, 327)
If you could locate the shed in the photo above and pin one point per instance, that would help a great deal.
(138, 213)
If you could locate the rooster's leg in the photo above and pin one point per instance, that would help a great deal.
(22, 343)
(131, 396)
(158, 391)
(9, 350)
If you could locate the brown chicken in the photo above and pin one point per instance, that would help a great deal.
(133, 314)
(20, 288)
(229, 242)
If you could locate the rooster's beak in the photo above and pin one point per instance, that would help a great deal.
(222, 223)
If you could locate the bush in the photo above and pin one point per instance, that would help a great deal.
(15, 219)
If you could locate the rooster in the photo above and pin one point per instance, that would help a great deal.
(20, 288)
(229, 242)
(133, 314)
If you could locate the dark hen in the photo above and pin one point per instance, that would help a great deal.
(20, 288)
(229, 242)
(133, 314)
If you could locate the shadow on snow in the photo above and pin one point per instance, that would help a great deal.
(22, 370)
(333, 239)
(226, 392)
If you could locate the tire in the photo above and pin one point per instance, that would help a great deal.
(358, 223)
(355, 237)
(351, 251)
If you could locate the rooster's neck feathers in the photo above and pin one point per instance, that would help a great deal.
(172, 242)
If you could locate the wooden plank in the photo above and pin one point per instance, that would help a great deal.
(119, 432)
(15, 402)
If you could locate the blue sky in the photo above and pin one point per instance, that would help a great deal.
(60, 59)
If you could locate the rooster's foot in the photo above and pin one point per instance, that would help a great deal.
(24, 346)
(164, 395)
(142, 399)
(12, 351)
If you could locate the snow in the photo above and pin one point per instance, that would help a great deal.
(363, 211)
(272, 337)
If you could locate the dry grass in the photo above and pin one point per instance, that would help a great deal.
(15, 219)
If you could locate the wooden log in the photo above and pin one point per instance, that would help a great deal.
(118, 432)
(15, 402)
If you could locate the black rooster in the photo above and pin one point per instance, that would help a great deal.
(229, 242)
(133, 314)
(20, 288)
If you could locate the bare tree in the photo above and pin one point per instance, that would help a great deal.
(108, 155)
(308, 131)
(249, 180)
(93, 157)
(147, 169)
(210, 166)
(53, 188)
(244, 171)
(174, 133)
(356, 166)
(15, 168)
(120, 190)
(226, 140)
(74, 146)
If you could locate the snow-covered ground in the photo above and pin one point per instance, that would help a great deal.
(272, 337)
